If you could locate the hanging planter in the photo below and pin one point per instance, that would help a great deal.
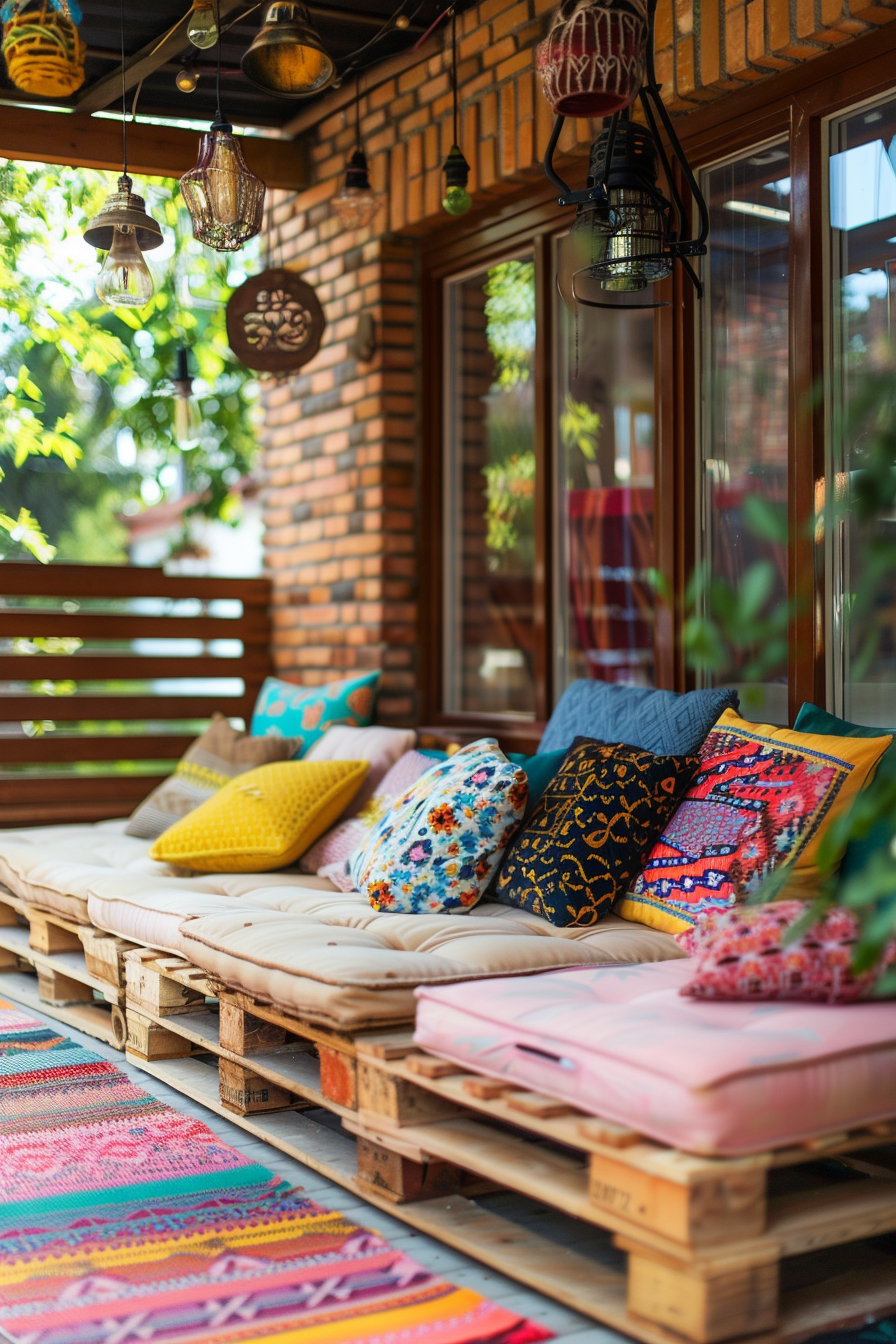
(592, 61)
(42, 47)
(275, 322)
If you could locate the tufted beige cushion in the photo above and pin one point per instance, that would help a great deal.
(293, 940)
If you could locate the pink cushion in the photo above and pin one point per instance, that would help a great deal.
(744, 954)
(329, 856)
(714, 1078)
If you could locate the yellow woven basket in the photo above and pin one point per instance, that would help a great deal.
(43, 51)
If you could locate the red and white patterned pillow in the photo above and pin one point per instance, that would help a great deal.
(743, 954)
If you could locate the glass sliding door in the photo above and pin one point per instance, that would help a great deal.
(604, 448)
(744, 374)
(862, 177)
(489, 490)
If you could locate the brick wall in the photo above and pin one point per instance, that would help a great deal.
(342, 439)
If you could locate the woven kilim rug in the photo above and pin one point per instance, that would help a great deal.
(123, 1222)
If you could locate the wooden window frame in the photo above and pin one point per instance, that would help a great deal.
(797, 104)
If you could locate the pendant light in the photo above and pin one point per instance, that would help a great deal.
(123, 229)
(627, 234)
(457, 200)
(202, 24)
(357, 202)
(287, 57)
(187, 417)
(225, 199)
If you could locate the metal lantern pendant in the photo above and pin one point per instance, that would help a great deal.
(123, 210)
(287, 56)
(627, 235)
(224, 197)
(592, 61)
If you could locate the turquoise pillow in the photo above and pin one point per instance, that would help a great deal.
(306, 712)
(811, 719)
(540, 770)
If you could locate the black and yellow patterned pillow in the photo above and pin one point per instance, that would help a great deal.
(591, 833)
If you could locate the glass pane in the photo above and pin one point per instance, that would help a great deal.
(490, 479)
(745, 381)
(863, 265)
(605, 440)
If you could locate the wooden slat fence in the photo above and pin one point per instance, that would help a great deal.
(107, 673)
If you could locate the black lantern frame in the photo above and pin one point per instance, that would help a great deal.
(637, 170)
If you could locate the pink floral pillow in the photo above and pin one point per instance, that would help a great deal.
(329, 856)
(742, 954)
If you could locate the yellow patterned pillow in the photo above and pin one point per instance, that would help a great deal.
(263, 819)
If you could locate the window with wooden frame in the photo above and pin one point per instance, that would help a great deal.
(648, 431)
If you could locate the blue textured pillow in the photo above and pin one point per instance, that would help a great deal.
(664, 722)
(306, 712)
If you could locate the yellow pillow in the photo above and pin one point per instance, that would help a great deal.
(263, 819)
(761, 798)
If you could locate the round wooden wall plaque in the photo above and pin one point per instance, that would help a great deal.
(275, 322)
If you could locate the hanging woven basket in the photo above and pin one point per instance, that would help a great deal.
(592, 61)
(42, 48)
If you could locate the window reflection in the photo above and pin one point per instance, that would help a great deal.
(490, 496)
(605, 445)
(745, 378)
(863, 265)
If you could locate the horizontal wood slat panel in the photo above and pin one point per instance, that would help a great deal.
(115, 790)
(73, 708)
(251, 628)
(251, 665)
(99, 581)
(60, 814)
(48, 796)
(44, 750)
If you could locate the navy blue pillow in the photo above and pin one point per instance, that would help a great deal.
(664, 722)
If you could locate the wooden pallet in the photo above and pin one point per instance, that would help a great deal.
(716, 1250)
(68, 971)
(709, 1241)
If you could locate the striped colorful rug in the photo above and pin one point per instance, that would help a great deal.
(124, 1222)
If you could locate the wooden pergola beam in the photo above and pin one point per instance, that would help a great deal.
(153, 151)
(104, 91)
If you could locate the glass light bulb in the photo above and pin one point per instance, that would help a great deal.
(201, 27)
(223, 176)
(356, 206)
(125, 280)
(187, 422)
(187, 79)
(456, 201)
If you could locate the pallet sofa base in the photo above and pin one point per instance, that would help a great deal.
(715, 1251)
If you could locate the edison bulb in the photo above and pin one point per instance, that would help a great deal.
(402, 21)
(187, 79)
(202, 30)
(456, 201)
(187, 423)
(125, 280)
(223, 176)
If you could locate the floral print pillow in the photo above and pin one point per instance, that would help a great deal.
(438, 847)
(306, 712)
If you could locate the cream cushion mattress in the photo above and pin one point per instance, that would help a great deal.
(292, 940)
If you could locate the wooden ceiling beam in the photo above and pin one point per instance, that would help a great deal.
(153, 151)
(104, 91)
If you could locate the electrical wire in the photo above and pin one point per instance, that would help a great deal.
(124, 94)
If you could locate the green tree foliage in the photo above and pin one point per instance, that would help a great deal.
(86, 415)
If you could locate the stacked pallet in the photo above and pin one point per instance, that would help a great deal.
(69, 971)
(772, 1247)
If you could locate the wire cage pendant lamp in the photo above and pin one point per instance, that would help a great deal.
(123, 228)
(627, 234)
(224, 197)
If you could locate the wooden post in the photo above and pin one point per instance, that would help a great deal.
(338, 1077)
(247, 1093)
(60, 990)
(402, 1102)
(104, 955)
(401, 1179)
(242, 1032)
(49, 938)
(705, 1304)
(150, 1041)
(158, 993)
